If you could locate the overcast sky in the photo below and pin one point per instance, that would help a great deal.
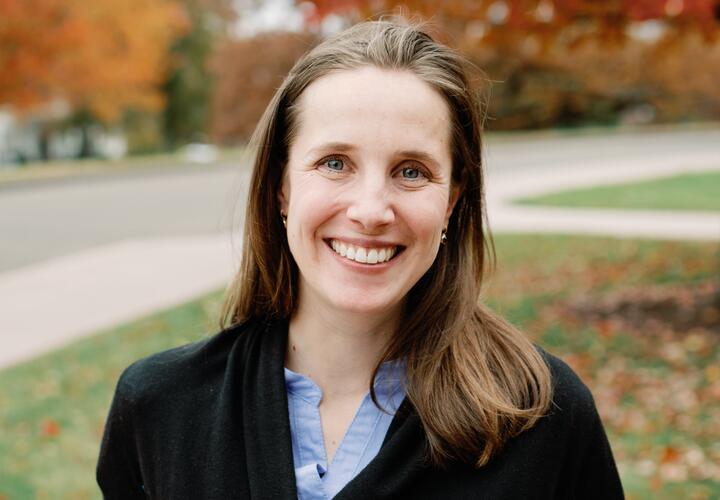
(278, 15)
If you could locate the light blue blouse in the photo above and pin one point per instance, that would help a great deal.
(315, 478)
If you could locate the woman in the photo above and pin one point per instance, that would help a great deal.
(357, 361)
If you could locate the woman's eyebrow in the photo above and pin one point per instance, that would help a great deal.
(419, 155)
(332, 147)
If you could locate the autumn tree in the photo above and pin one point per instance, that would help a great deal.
(248, 71)
(569, 61)
(496, 19)
(190, 84)
(101, 58)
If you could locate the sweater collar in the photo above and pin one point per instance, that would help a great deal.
(268, 445)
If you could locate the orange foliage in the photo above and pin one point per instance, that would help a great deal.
(98, 56)
(557, 61)
(564, 62)
(606, 18)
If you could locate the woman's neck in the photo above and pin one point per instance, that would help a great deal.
(337, 350)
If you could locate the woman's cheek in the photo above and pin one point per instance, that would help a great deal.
(429, 207)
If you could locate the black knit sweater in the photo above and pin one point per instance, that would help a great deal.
(210, 421)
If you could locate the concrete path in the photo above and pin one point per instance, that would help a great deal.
(506, 186)
(48, 303)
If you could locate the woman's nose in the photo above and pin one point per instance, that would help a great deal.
(370, 203)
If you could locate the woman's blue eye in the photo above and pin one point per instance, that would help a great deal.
(334, 164)
(411, 173)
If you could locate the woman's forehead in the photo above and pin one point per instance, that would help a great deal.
(372, 105)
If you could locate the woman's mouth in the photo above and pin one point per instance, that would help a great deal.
(363, 255)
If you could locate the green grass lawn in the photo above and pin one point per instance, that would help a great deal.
(52, 409)
(696, 191)
(657, 387)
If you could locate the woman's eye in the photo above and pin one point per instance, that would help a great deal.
(411, 173)
(334, 164)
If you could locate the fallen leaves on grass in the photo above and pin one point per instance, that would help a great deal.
(640, 324)
(679, 308)
(656, 376)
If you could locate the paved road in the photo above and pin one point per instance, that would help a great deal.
(83, 254)
(61, 217)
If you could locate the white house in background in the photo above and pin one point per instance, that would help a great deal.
(6, 120)
(15, 139)
(20, 138)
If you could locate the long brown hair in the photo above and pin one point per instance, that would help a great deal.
(474, 380)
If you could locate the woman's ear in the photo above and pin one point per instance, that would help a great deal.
(283, 195)
(455, 193)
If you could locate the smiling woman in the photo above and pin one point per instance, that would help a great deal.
(357, 359)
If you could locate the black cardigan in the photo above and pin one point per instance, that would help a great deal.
(210, 421)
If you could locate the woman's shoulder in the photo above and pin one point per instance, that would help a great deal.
(166, 407)
(571, 397)
(574, 429)
(185, 368)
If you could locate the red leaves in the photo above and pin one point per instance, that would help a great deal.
(670, 455)
(49, 428)
(527, 16)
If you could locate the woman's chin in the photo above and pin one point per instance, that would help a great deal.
(371, 306)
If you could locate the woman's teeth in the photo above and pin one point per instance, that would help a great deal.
(363, 255)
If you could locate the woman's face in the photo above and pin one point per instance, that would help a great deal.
(367, 188)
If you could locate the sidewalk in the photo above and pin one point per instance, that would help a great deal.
(503, 187)
(46, 305)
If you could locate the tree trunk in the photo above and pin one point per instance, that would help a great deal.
(44, 143)
(85, 142)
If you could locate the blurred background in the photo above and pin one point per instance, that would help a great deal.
(141, 76)
(123, 168)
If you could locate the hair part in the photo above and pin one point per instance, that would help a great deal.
(474, 380)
